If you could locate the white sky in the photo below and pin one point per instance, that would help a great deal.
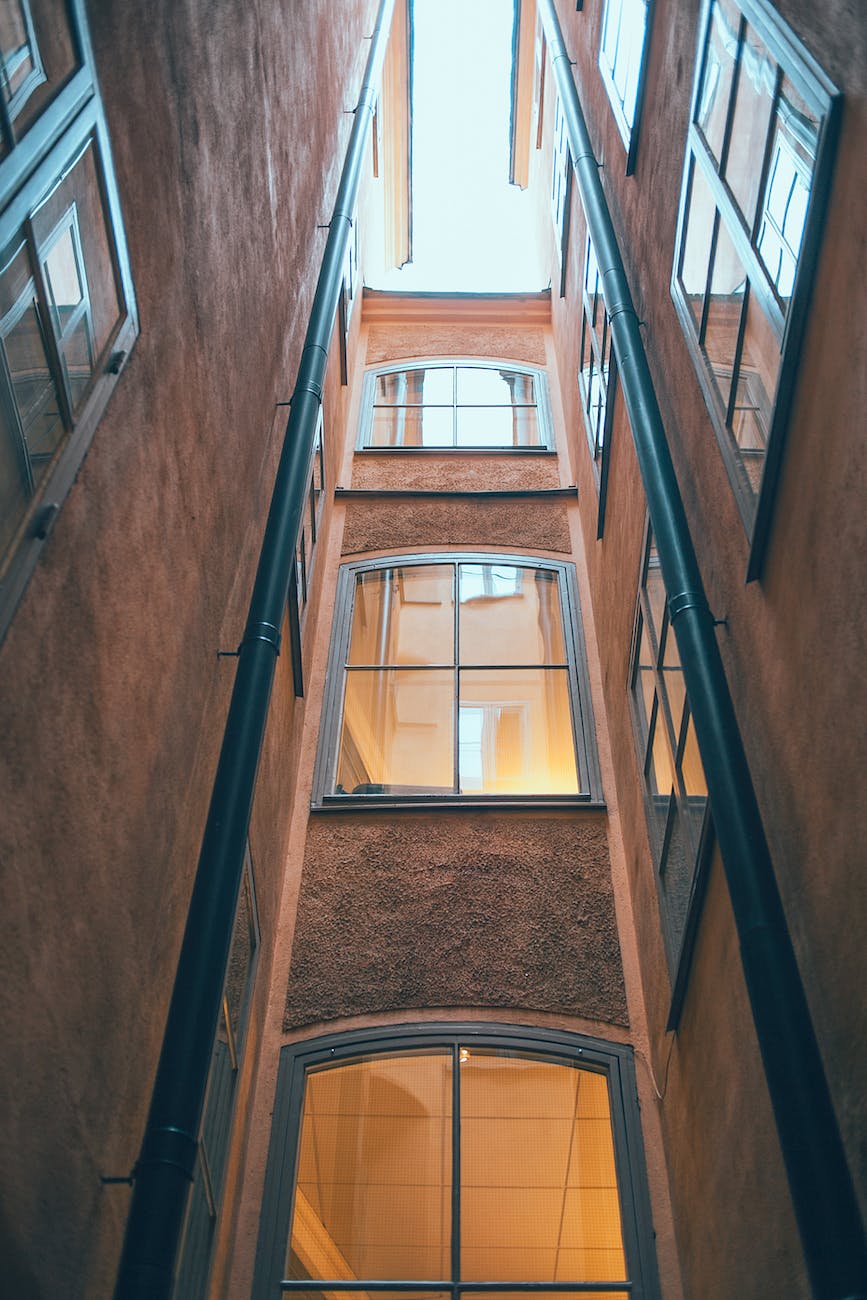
(472, 230)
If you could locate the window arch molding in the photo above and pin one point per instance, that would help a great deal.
(512, 1049)
(406, 404)
(573, 669)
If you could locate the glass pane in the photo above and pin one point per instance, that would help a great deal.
(622, 45)
(373, 1197)
(696, 243)
(397, 735)
(787, 190)
(694, 784)
(757, 385)
(539, 1199)
(412, 426)
(753, 101)
(478, 386)
(644, 681)
(433, 386)
(240, 958)
(510, 615)
(46, 61)
(713, 100)
(77, 359)
(672, 676)
(63, 279)
(516, 732)
(404, 616)
(77, 203)
(676, 873)
(660, 773)
(654, 586)
(493, 426)
(727, 288)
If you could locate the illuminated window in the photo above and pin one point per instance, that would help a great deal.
(205, 1200)
(462, 1161)
(622, 62)
(755, 182)
(456, 677)
(675, 789)
(465, 406)
(67, 310)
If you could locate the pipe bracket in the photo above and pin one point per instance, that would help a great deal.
(174, 1147)
(266, 632)
(686, 600)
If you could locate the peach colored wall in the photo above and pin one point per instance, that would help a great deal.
(791, 649)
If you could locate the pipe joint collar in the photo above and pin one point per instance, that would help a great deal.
(266, 632)
(169, 1145)
(686, 600)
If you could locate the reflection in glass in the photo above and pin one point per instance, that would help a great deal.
(725, 303)
(757, 382)
(431, 386)
(20, 65)
(373, 1192)
(397, 732)
(492, 426)
(515, 732)
(697, 242)
(622, 46)
(787, 191)
(454, 406)
(757, 80)
(539, 1200)
(713, 100)
(404, 616)
(672, 676)
(408, 426)
(524, 628)
(484, 386)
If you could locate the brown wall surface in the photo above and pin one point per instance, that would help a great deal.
(113, 697)
(790, 647)
(467, 909)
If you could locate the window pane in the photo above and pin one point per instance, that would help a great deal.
(656, 593)
(672, 676)
(240, 958)
(516, 732)
(478, 386)
(408, 387)
(713, 100)
(63, 278)
(787, 190)
(660, 773)
(373, 1196)
(753, 101)
(727, 288)
(539, 1199)
(38, 56)
(510, 615)
(397, 732)
(78, 202)
(492, 426)
(404, 616)
(757, 383)
(622, 46)
(696, 243)
(644, 681)
(412, 426)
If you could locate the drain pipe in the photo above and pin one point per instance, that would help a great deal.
(165, 1168)
(826, 1208)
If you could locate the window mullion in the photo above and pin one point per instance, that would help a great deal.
(456, 1167)
(456, 724)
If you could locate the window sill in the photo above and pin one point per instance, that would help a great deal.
(455, 803)
(455, 451)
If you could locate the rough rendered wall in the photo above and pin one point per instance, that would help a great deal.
(455, 910)
(384, 524)
(227, 123)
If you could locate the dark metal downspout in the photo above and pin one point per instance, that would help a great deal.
(826, 1208)
(167, 1162)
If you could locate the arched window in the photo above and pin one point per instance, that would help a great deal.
(453, 1160)
(456, 676)
(455, 406)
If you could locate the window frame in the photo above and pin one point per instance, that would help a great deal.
(629, 131)
(583, 727)
(36, 163)
(678, 939)
(542, 407)
(614, 1060)
(302, 565)
(562, 175)
(824, 99)
(598, 435)
(36, 76)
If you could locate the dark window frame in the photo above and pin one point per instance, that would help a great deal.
(37, 161)
(678, 933)
(824, 99)
(562, 173)
(541, 404)
(583, 726)
(614, 1060)
(629, 131)
(204, 1203)
(302, 569)
(602, 361)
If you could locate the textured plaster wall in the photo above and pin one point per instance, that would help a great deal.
(440, 473)
(383, 524)
(225, 122)
(803, 741)
(468, 909)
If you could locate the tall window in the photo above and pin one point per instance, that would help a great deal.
(203, 1208)
(755, 182)
(456, 677)
(561, 189)
(305, 551)
(597, 376)
(675, 789)
(465, 406)
(469, 1162)
(622, 62)
(67, 312)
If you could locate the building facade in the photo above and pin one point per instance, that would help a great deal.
(484, 1020)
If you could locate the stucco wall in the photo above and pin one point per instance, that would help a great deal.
(485, 909)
